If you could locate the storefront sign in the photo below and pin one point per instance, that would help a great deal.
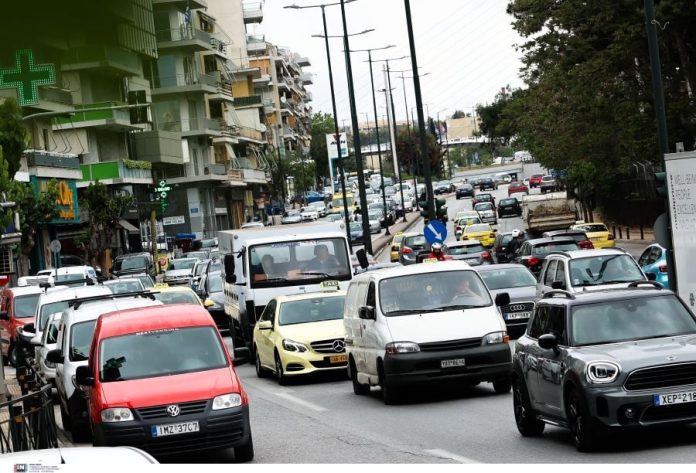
(176, 220)
(66, 203)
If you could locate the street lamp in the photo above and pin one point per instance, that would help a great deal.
(333, 104)
(397, 165)
(379, 144)
(439, 135)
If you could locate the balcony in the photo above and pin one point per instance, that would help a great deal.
(182, 4)
(248, 101)
(215, 173)
(184, 37)
(255, 176)
(106, 59)
(159, 147)
(306, 78)
(303, 62)
(51, 99)
(235, 178)
(96, 115)
(256, 45)
(200, 127)
(253, 12)
(185, 84)
(263, 81)
(53, 165)
(251, 134)
(117, 172)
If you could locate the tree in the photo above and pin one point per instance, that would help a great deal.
(13, 135)
(458, 114)
(105, 210)
(408, 152)
(322, 125)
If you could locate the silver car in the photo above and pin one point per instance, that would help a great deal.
(292, 216)
(180, 271)
(411, 245)
(469, 251)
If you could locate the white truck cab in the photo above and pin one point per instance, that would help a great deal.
(263, 263)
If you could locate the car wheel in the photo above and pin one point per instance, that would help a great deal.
(79, 430)
(582, 426)
(502, 386)
(244, 453)
(64, 417)
(358, 388)
(525, 417)
(12, 355)
(261, 372)
(279, 374)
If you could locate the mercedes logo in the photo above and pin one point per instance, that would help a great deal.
(173, 410)
(516, 308)
(339, 346)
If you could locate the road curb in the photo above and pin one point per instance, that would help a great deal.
(379, 244)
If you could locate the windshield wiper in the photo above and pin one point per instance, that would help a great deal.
(278, 279)
(456, 307)
(405, 312)
(315, 273)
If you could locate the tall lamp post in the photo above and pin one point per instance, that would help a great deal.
(333, 104)
(379, 145)
(439, 135)
(387, 93)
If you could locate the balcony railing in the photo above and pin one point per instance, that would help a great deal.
(251, 133)
(101, 112)
(183, 33)
(248, 101)
(117, 169)
(100, 56)
(52, 160)
(189, 125)
(215, 169)
(56, 95)
(180, 80)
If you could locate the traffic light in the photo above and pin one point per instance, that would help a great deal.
(424, 208)
(661, 184)
(441, 209)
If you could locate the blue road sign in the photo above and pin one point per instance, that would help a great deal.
(435, 231)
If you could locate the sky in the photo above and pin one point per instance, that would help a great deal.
(466, 48)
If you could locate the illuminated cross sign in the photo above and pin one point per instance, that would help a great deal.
(26, 77)
(162, 191)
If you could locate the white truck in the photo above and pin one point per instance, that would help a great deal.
(546, 212)
(262, 263)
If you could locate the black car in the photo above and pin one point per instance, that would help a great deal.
(442, 187)
(509, 206)
(487, 183)
(603, 361)
(134, 263)
(533, 252)
(465, 190)
(211, 292)
(498, 250)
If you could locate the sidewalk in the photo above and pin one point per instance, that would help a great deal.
(379, 243)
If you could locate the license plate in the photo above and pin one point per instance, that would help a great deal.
(338, 359)
(516, 315)
(174, 429)
(674, 398)
(596, 239)
(453, 363)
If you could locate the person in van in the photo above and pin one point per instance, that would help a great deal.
(323, 260)
(267, 269)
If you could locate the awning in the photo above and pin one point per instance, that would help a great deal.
(128, 227)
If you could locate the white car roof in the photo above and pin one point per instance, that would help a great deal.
(80, 456)
(93, 309)
(24, 290)
(67, 293)
(578, 254)
(73, 270)
(422, 268)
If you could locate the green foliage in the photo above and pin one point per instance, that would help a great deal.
(5, 183)
(13, 135)
(458, 114)
(408, 152)
(322, 124)
(132, 164)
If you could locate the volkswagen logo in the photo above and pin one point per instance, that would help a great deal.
(516, 307)
(339, 346)
(173, 410)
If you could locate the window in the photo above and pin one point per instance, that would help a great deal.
(371, 301)
(550, 273)
(560, 272)
(80, 340)
(644, 259)
(25, 306)
(556, 324)
(539, 322)
(268, 313)
(605, 269)
(311, 310)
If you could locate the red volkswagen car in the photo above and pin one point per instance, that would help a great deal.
(535, 180)
(161, 379)
(516, 186)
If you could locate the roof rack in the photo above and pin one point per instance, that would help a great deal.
(77, 302)
(46, 284)
(558, 292)
(654, 284)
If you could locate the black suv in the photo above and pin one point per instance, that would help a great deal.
(533, 252)
(609, 359)
(509, 206)
(487, 183)
(134, 263)
(465, 190)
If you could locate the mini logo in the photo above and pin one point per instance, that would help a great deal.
(517, 308)
(671, 358)
(21, 467)
(173, 410)
(339, 346)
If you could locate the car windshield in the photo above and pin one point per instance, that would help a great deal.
(432, 292)
(482, 197)
(464, 249)
(120, 286)
(508, 201)
(25, 306)
(47, 309)
(311, 310)
(630, 319)
(544, 249)
(375, 215)
(182, 263)
(80, 340)
(215, 284)
(160, 352)
(198, 269)
(146, 281)
(507, 278)
(605, 269)
(201, 255)
(135, 262)
(594, 228)
(299, 262)
(177, 297)
(339, 202)
(477, 228)
(484, 206)
(355, 226)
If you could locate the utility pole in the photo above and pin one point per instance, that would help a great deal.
(397, 165)
(391, 102)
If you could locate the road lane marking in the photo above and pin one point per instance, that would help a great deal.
(301, 402)
(449, 455)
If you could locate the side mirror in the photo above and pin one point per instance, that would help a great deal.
(36, 341)
(265, 325)
(4, 315)
(651, 277)
(502, 299)
(548, 341)
(241, 355)
(362, 258)
(228, 262)
(367, 312)
(83, 377)
(29, 328)
(55, 356)
(558, 285)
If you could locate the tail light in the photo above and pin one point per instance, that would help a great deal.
(486, 256)
(586, 245)
(610, 237)
(531, 262)
(663, 268)
(464, 237)
(407, 250)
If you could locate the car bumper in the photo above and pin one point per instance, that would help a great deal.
(217, 430)
(509, 211)
(601, 244)
(486, 363)
(295, 364)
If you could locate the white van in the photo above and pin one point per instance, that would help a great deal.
(423, 323)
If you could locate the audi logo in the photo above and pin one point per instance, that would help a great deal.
(339, 346)
(516, 307)
(173, 410)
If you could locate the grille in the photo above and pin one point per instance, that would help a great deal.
(518, 307)
(326, 346)
(664, 376)
(185, 408)
(451, 345)
(666, 413)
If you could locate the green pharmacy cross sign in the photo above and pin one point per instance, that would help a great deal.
(26, 77)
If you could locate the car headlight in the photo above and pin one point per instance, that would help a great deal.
(495, 338)
(402, 347)
(227, 401)
(291, 345)
(602, 372)
(116, 414)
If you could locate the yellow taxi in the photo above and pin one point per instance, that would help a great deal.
(466, 217)
(598, 233)
(337, 203)
(482, 232)
(178, 295)
(395, 247)
(301, 334)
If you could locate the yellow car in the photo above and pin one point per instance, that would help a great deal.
(178, 295)
(337, 204)
(482, 232)
(598, 233)
(301, 334)
(395, 246)
(466, 217)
